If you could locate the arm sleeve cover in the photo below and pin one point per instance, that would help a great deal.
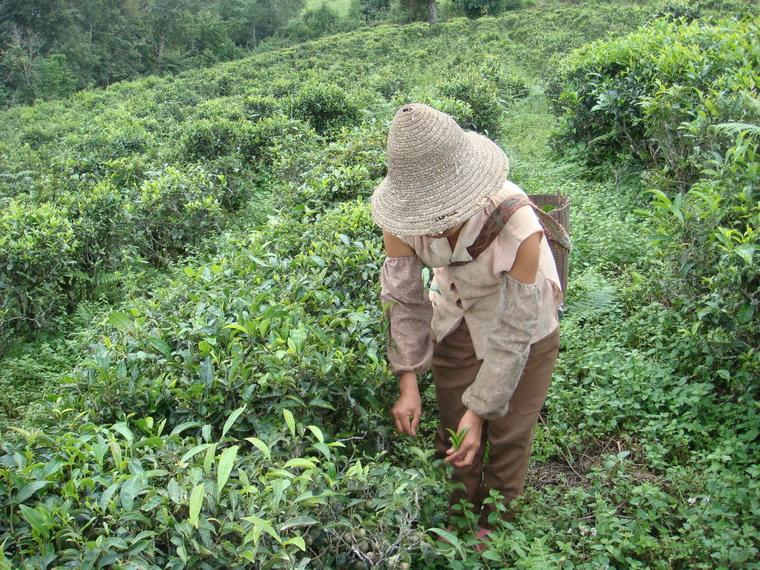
(407, 307)
(508, 349)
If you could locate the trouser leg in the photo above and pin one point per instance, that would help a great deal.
(511, 437)
(454, 368)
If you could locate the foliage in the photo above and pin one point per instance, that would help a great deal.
(325, 106)
(475, 8)
(230, 407)
(617, 101)
(196, 496)
(667, 114)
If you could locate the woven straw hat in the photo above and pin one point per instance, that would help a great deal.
(438, 174)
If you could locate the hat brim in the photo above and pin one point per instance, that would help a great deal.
(404, 213)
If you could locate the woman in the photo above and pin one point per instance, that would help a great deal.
(489, 327)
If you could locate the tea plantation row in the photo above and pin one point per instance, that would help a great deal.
(236, 413)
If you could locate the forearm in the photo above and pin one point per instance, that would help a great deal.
(408, 310)
(507, 352)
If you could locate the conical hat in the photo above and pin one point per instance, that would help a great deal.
(438, 174)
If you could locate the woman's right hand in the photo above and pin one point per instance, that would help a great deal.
(408, 408)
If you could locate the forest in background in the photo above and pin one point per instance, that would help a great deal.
(52, 48)
(193, 348)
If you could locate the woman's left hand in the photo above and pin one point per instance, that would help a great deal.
(464, 456)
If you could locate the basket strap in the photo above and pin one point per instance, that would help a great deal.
(499, 218)
(494, 224)
(553, 228)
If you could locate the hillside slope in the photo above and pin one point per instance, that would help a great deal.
(235, 412)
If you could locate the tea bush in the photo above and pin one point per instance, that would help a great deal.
(38, 253)
(482, 97)
(668, 113)
(618, 101)
(232, 409)
(208, 139)
(144, 495)
(260, 106)
(325, 106)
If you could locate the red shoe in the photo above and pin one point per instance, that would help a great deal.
(482, 536)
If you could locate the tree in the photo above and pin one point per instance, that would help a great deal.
(416, 9)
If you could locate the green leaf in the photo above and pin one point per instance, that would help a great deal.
(262, 525)
(107, 496)
(29, 490)
(231, 420)
(491, 555)
(298, 541)
(160, 344)
(129, 491)
(323, 449)
(195, 451)
(183, 426)
(175, 491)
(236, 327)
(290, 421)
(746, 251)
(301, 463)
(298, 338)
(122, 428)
(116, 453)
(261, 446)
(35, 519)
(297, 521)
(317, 433)
(120, 321)
(208, 462)
(226, 463)
(278, 487)
(447, 535)
(196, 501)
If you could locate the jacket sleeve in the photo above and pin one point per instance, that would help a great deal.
(507, 351)
(409, 311)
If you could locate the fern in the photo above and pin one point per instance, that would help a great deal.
(592, 295)
(737, 129)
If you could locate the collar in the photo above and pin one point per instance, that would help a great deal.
(467, 235)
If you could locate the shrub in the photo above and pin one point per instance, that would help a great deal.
(260, 106)
(325, 106)
(687, 114)
(709, 235)
(208, 139)
(262, 142)
(616, 100)
(482, 97)
(38, 254)
(230, 108)
(101, 220)
(144, 495)
(176, 208)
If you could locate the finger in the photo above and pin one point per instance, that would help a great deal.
(398, 424)
(454, 456)
(461, 455)
(472, 451)
(416, 421)
(404, 420)
(470, 457)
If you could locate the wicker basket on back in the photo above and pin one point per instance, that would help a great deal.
(558, 214)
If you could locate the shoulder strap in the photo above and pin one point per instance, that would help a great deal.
(499, 218)
(494, 224)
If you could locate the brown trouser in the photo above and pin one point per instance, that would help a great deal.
(455, 367)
